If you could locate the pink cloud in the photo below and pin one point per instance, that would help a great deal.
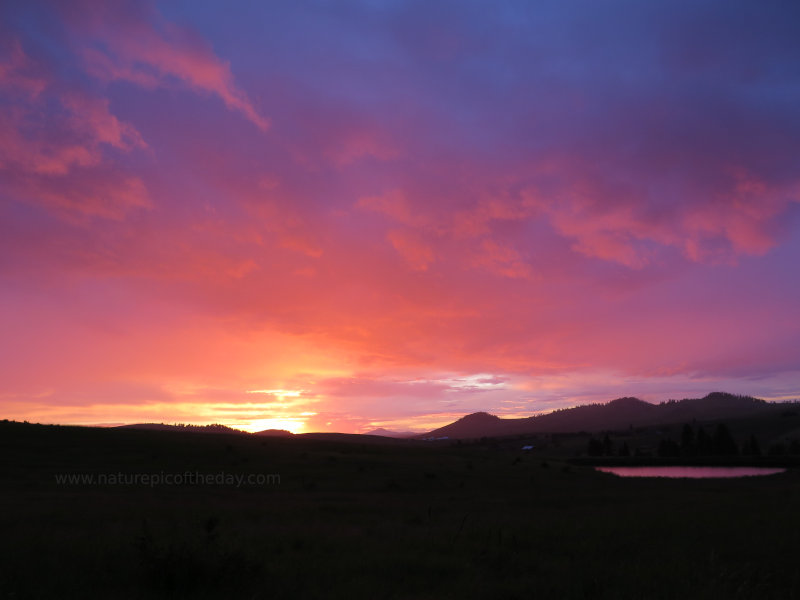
(619, 223)
(417, 253)
(359, 144)
(395, 205)
(301, 243)
(18, 73)
(92, 115)
(140, 46)
(503, 260)
(478, 219)
(40, 153)
(60, 162)
(100, 193)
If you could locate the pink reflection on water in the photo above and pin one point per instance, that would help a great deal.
(690, 472)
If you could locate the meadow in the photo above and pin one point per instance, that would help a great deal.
(354, 517)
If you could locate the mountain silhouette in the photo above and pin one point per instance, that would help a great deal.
(618, 414)
(475, 425)
(392, 434)
(275, 433)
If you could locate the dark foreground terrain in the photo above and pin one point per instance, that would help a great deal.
(374, 519)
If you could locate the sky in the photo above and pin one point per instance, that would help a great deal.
(337, 216)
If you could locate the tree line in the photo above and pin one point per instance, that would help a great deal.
(695, 442)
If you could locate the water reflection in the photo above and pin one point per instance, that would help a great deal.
(690, 472)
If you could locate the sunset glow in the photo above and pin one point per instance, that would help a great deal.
(343, 216)
(293, 424)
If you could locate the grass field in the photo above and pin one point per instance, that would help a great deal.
(375, 520)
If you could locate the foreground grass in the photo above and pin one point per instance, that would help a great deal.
(352, 520)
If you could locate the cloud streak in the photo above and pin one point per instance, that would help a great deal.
(132, 42)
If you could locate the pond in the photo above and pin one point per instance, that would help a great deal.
(690, 472)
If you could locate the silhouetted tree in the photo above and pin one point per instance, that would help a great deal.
(667, 447)
(703, 444)
(624, 450)
(750, 447)
(688, 447)
(777, 449)
(723, 442)
(595, 447)
(608, 446)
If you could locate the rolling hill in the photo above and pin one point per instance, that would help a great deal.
(215, 428)
(618, 414)
(392, 434)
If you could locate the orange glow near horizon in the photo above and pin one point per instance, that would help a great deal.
(293, 424)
